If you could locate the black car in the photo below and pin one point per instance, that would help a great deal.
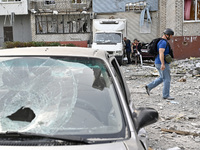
(145, 54)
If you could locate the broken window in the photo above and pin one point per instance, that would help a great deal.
(9, 0)
(136, 7)
(52, 24)
(192, 10)
(51, 2)
(63, 24)
(79, 1)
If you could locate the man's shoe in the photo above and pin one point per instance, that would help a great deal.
(169, 98)
(147, 90)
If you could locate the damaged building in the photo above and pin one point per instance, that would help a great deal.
(148, 19)
(15, 22)
(70, 21)
(65, 21)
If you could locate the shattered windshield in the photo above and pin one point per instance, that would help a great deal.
(109, 38)
(73, 96)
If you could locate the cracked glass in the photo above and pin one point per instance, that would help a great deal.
(58, 95)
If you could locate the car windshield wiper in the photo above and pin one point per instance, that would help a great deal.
(68, 138)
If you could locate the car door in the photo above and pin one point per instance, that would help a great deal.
(120, 77)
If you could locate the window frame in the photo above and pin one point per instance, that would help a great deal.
(10, 1)
(81, 2)
(196, 1)
(52, 2)
(51, 24)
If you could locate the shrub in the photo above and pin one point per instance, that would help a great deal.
(37, 44)
(34, 44)
(54, 44)
(70, 44)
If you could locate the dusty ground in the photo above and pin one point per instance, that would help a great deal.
(181, 114)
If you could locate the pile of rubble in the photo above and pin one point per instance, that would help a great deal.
(178, 127)
(182, 68)
(189, 67)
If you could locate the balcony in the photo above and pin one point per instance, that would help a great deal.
(18, 7)
(61, 6)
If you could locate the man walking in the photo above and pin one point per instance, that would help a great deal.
(162, 66)
(127, 46)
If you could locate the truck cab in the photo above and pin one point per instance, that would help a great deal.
(108, 35)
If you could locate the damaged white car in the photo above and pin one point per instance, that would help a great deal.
(67, 98)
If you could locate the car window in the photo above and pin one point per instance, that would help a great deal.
(120, 78)
(59, 95)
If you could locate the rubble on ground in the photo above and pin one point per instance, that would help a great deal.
(178, 126)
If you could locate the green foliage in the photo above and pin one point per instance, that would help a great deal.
(34, 44)
(54, 44)
(38, 44)
(70, 44)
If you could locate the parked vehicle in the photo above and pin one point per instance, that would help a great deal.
(67, 98)
(108, 35)
(145, 54)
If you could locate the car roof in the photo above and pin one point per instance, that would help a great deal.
(54, 51)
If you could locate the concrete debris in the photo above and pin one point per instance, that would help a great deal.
(191, 66)
(195, 72)
(174, 148)
(181, 115)
(192, 117)
(172, 102)
(195, 125)
(182, 80)
(198, 65)
(197, 139)
(180, 132)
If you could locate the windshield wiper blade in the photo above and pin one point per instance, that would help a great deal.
(68, 138)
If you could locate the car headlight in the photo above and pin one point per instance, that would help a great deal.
(119, 53)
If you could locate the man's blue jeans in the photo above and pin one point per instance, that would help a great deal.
(165, 77)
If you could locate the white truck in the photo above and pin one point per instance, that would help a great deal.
(108, 35)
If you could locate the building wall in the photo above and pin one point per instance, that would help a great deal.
(191, 29)
(178, 17)
(61, 6)
(174, 16)
(162, 17)
(18, 7)
(186, 41)
(110, 6)
(1, 31)
(57, 37)
(21, 28)
(133, 25)
(186, 46)
(170, 14)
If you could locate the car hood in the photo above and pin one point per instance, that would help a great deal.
(116, 146)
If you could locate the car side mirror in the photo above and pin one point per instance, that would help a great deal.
(144, 116)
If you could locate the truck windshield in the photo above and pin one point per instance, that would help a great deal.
(107, 38)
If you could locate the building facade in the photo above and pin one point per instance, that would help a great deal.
(64, 21)
(141, 16)
(70, 21)
(183, 16)
(14, 21)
